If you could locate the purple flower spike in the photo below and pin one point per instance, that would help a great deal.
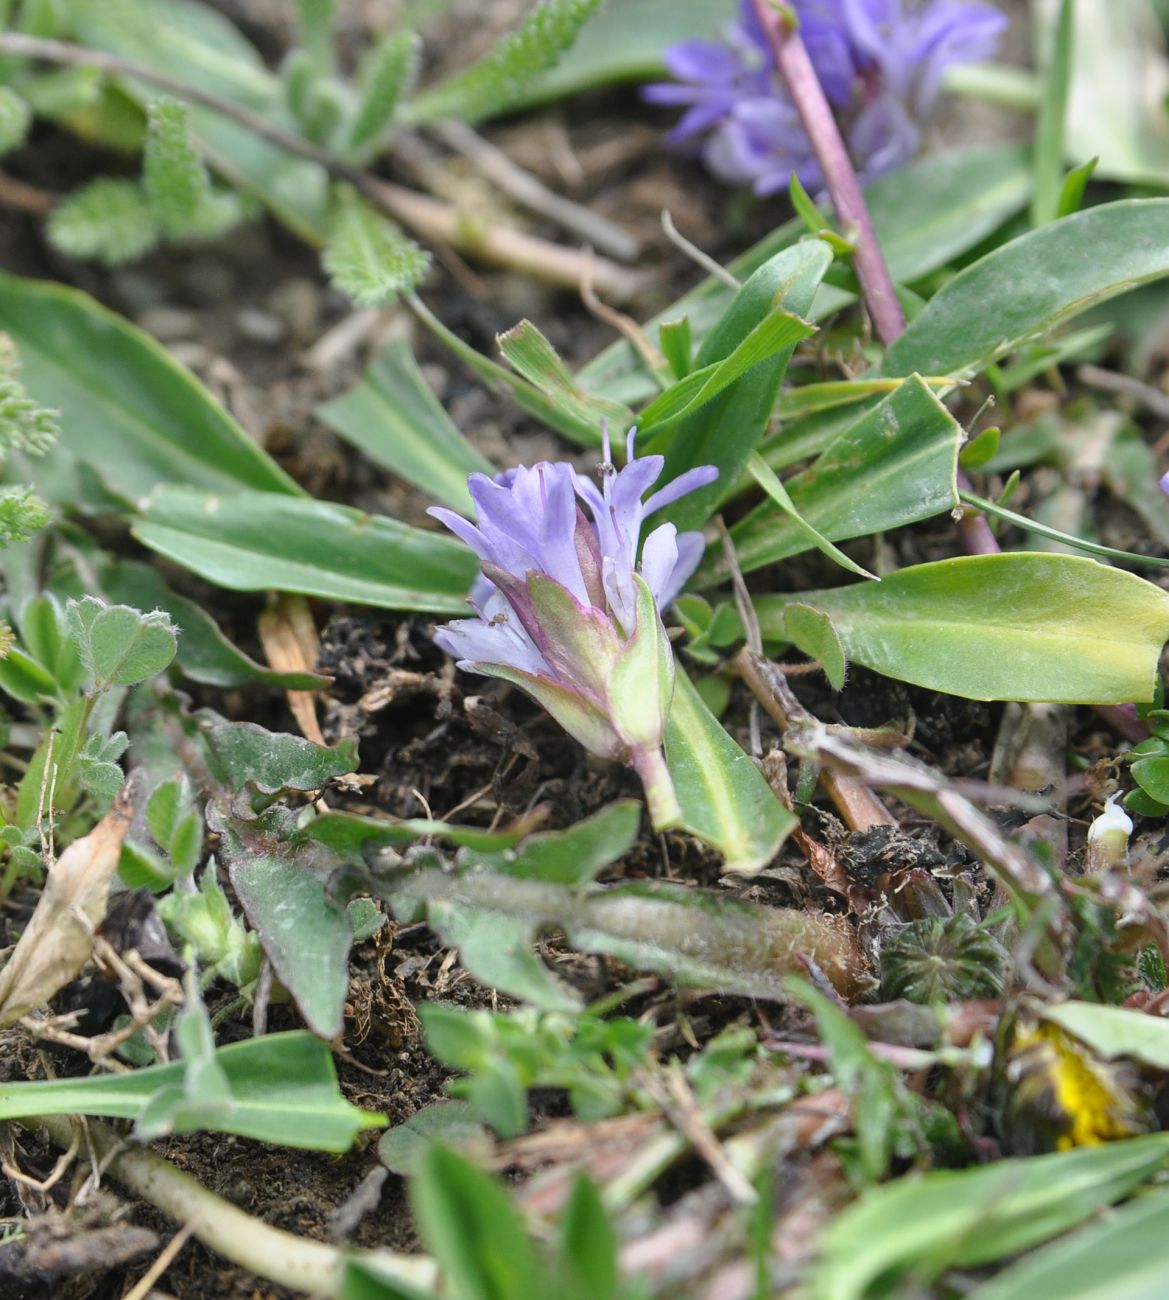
(880, 63)
(1165, 483)
(565, 611)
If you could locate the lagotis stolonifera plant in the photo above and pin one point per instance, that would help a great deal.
(565, 611)
(880, 63)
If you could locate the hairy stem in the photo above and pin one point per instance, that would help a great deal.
(281, 1257)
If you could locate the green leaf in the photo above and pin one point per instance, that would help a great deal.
(1071, 193)
(394, 418)
(766, 477)
(588, 1244)
(132, 412)
(777, 331)
(1035, 283)
(173, 174)
(386, 76)
(725, 800)
(305, 934)
(1049, 128)
(893, 465)
(109, 220)
(1001, 627)
(572, 856)
(1114, 1031)
(283, 1090)
(1153, 776)
(243, 753)
(689, 937)
(471, 1228)
(1120, 69)
(1057, 534)
(726, 429)
(499, 80)
(205, 654)
(530, 354)
(1112, 1259)
(368, 257)
(677, 344)
(918, 1226)
(119, 646)
(352, 836)
(812, 632)
(314, 21)
(259, 541)
(15, 119)
(450, 1123)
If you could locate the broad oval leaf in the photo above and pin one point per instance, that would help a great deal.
(1022, 626)
(1027, 287)
(259, 541)
(129, 410)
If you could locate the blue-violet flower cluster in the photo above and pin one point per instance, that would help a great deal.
(565, 610)
(880, 63)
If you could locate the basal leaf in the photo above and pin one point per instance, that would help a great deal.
(261, 541)
(1025, 288)
(1019, 626)
(394, 418)
(130, 411)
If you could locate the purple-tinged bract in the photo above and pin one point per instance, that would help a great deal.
(880, 62)
(565, 609)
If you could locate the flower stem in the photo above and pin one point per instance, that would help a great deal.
(665, 811)
(815, 112)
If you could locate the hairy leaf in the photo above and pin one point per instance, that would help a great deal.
(368, 257)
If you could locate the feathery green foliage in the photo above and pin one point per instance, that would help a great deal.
(108, 219)
(15, 116)
(24, 424)
(22, 513)
(387, 74)
(494, 83)
(173, 174)
(368, 257)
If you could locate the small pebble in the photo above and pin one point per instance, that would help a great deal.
(169, 324)
(261, 326)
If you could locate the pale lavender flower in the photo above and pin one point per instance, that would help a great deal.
(1164, 481)
(565, 610)
(880, 63)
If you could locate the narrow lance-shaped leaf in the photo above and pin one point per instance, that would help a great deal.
(893, 465)
(130, 410)
(1035, 283)
(283, 1089)
(260, 541)
(394, 418)
(725, 430)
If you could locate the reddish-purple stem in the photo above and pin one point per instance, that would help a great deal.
(816, 114)
(803, 85)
